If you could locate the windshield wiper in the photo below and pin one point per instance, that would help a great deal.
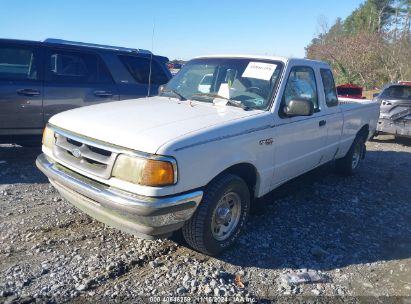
(230, 102)
(204, 95)
(180, 97)
(237, 104)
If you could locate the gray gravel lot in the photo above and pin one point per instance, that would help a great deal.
(353, 233)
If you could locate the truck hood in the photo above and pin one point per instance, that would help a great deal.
(145, 124)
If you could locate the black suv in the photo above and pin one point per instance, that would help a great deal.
(40, 79)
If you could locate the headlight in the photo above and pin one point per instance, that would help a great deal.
(142, 171)
(48, 138)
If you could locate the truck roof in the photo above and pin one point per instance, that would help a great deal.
(265, 57)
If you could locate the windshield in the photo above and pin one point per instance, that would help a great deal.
(248, 83)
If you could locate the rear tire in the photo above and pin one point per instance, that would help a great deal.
(348, 165)
(220, 217)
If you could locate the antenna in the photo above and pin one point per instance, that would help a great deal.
(151, 59)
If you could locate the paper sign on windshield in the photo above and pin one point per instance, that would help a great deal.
(259, 70)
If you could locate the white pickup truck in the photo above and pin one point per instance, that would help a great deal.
(198, 156)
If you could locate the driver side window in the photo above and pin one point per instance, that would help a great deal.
(301, 84)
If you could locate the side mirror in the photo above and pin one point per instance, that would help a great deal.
(299, 107)
(375, 94)
(161, 89)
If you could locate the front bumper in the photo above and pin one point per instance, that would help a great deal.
(147, 217)
(396, 127)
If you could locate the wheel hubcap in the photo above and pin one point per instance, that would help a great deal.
(226, 216)
(223, 215)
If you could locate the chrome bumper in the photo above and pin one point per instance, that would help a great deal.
(147, 217)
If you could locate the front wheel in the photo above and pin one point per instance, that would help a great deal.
(220, 217)
(348, 165)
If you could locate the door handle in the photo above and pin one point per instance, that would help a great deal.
(103, 93)
(322, 123)
(28, 92)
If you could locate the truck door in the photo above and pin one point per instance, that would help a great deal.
(334, 118)
(299, 141)
(21, 88)
(74, 79)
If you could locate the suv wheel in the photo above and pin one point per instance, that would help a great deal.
(220, 217)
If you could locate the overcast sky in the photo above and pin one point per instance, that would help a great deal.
(183, 29)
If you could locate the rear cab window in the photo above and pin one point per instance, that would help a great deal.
(349, 91)
(330, 91)
(397, 92)
(67, 66)
(139, 68)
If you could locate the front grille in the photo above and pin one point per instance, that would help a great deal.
(84, 155)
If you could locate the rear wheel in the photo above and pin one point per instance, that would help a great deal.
(220, 217)
(348, 165)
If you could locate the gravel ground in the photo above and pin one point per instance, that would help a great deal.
(348, 238)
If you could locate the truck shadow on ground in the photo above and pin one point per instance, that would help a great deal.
(17, 165)
(324, 221)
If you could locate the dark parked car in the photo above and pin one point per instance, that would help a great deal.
(395, 111)
(40, 79)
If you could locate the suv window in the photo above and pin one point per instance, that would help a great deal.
(18, 63)
(139, 68)
(329, 87)
(68, 66)
(301, 84)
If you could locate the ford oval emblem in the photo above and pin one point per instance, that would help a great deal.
(76, 153)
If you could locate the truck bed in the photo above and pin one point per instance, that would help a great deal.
(356, 113)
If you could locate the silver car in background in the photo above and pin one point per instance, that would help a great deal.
(395, 111)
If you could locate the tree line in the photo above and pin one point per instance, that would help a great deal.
(371, 47)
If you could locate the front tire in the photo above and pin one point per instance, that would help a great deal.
(348, 165)
(220, 217)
